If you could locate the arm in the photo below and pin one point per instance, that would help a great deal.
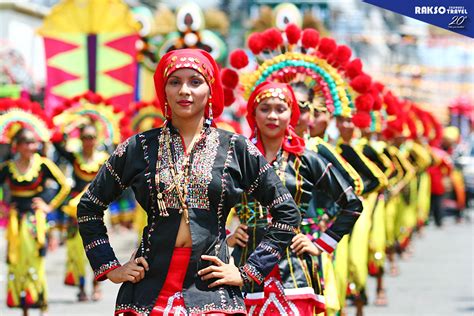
(63, 152)
(3, 172)
(405, 171)
(114, 176)
(421, 156)
(397, 174)
(259, 179)
(328, 179)
(346, 170)
(374, 178)
(53, 172)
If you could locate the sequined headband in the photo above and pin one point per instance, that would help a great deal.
(281, 93)
(189, 62)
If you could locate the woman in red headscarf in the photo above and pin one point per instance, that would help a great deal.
(186, 175)
(293, 286)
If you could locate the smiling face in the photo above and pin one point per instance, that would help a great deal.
(272, 116)
(187, 94)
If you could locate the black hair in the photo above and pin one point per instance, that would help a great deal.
(86, 126)
(21, 136)
(301, 86)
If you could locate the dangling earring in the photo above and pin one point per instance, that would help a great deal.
(166, 110)
(254, 139)
(210, 116)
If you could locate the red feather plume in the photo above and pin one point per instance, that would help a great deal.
(343, 54)
(354, 68)
(327, 46)
(362, 119)
(293, 33)
(309, 38)
(230, 78)
(229, 97)
(364, 102)
(361, 83)
(272, 38)
(255, 43)
(238, 59)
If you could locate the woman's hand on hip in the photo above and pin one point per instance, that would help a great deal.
(225, 273)
(132, 271)
(40, 204)
(302, 244)
(239, 237)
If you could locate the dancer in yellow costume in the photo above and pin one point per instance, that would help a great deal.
(26, 175)
(374, 181)
(370, 145)
(86, 163)
(74, 120)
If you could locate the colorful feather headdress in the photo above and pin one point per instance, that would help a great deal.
(22, 113)
(145, 116)
(112, 125)
(297, 55)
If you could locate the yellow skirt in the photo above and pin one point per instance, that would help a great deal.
(359, 244)
(76, 259)
(407, 214)
(26, 281)
(341, 269)
(330, 285)
(391, 210)
(378, 238)
(424, 198)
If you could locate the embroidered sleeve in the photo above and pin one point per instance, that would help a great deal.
(100, 274)
(120, 150)
(328, 179)
(256, 182)
(252, 149)
(259, 178)
(113, 177)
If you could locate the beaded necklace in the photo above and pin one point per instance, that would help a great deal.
(177, 183)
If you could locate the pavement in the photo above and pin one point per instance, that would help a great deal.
(438, 280)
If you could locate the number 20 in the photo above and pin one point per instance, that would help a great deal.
(458, 20)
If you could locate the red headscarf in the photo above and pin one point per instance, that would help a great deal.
(292, 143)
(198, 60)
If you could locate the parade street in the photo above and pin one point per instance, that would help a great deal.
(436, 280)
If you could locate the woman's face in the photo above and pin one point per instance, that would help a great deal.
(305, 122)
(187, 94)
(319, 124)
(272, 116)
(345, 127)
(89, 138)
(27, 146)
